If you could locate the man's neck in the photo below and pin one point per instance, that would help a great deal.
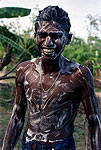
(50, 66)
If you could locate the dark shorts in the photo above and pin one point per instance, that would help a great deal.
(64, 144)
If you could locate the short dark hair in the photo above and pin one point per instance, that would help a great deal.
(54, 13)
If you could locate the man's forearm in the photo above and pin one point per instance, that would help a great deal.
(96, 139)
(96, 133)
(12, 133)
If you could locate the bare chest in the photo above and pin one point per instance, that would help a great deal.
(47, 93)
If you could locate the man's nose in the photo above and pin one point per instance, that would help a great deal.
(48, 41)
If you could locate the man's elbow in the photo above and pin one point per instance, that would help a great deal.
(94, 121)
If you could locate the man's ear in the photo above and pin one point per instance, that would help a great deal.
(34, 34)
(69, 38)
(35, 37)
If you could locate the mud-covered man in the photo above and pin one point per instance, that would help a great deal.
(51, 88)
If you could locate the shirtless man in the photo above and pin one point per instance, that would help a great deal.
(51, 88)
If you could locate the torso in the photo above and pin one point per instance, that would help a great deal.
(51, 113)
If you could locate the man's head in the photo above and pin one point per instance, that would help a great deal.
(54, 13)
(52, 31)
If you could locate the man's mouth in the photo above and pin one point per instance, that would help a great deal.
(48, 51)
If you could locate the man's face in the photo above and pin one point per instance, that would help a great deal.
(50, 39)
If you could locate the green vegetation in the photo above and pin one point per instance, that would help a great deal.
(21, 46)
(6, 104)
(97, 90)
(11, 12)
(5, 110)
(81, 51)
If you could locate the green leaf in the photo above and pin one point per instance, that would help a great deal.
(21, 54)
(4, 31)
(11, 12)
(8, 40)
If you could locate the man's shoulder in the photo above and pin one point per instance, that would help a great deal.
(24, 66)
(85, 73)
(70, 66)
(74, 67)
(84, 69)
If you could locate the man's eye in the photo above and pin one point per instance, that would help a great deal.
(56, 36)
(42, 35)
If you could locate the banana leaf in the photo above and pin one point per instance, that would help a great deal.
(5, 32)
(12, 12)
(9, 41)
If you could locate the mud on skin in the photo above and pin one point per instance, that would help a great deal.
(50, 88)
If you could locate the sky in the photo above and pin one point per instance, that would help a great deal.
(77, 10)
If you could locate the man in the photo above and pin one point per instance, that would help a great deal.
(51, 88)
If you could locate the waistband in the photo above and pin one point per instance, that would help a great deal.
(29, 144)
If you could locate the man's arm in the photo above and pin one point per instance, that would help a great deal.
(90, 103)
(18, 115)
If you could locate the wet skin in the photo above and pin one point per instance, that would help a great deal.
(51, 88)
